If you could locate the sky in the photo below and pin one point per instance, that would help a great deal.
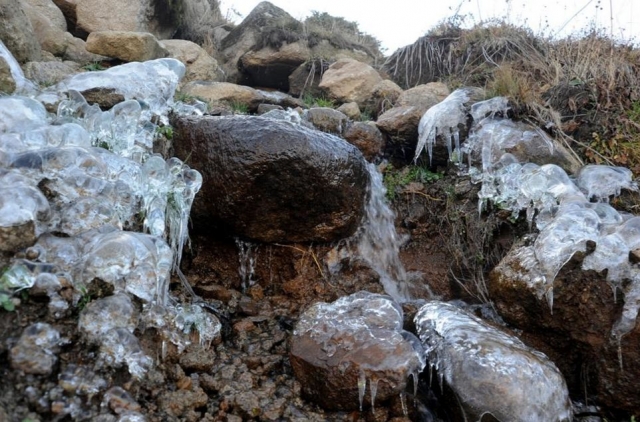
(397, 23)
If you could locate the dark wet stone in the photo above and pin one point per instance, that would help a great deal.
(273, 181)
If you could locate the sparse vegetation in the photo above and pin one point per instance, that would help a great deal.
(311, 101)
(239, 108)
(93, 67)
(584, 89)
(397, 179)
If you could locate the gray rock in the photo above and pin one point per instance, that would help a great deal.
(327, 119)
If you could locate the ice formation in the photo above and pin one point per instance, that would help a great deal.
(489, 371)
(442, 120)
(379, 243)
(75, 187)
(559, 204)
(362, 333)
(23, 85)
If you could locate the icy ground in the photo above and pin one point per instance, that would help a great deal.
(72, 181)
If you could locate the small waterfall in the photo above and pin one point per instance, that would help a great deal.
(379, 243)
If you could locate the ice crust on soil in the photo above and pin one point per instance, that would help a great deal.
(84, 178)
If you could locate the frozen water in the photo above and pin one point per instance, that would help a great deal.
(490, 108)
(379, 243)
(35, 352)
(491, 372)
(442, 120)
(20, 114)
(133, 262)
(602, 182)
(360, 334)
(71, 183)
(23, 85)
(153, 82)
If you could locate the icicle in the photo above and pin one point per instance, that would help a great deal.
(362, 387)
(403, 402)
(619, 341)
(373, 386)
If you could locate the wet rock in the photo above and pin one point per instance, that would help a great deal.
(102, 315)
(126, 46)
(271, 180)
(365, 136)
(35, 352)
(349, 80)
(340, 349)
(327, 119)
(489, 371)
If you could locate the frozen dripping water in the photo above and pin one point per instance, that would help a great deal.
(442, 120)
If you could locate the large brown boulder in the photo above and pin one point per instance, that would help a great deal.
(126, 46)
(271, 68)
(161, 18)
(266, 26)
(234, 95)
(200, 65)
(49, 32)
(349, 80)
(271, 180)
(365, 136)
(16, 32)
(576, 332)
(339, 349)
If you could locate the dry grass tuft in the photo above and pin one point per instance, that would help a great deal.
(200, 17)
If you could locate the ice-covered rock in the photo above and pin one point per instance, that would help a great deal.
(35, 352)
(153, 82)
(490, 371)
(354, 351)
(602, 182)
